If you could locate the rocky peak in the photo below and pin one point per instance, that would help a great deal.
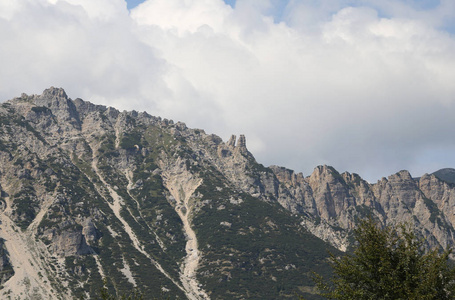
(233, 147)
(54, 93)
(402, 175)
(231, 142)
(241, 142)
(287, 176)
(348, 177)
(61, 106)
(85, 107)
(326, 174)
(241, 145)
(437, 189)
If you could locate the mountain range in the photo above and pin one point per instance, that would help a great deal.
(92, 197)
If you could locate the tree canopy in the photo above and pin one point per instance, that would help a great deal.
(389, 263)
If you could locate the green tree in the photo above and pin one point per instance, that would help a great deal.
(105, 295)
(134, 295)
(389, 263)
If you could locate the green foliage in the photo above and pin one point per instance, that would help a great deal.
(130, 140)
(6, 269)
(105, 295)
(3, 146)
(389, 263)
(25, 206)
(447, 175)
(134, 295)
(252, 249)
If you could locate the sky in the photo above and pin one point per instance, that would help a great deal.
(366, 86)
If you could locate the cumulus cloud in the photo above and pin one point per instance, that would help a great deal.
(88, 49)
(366, 88)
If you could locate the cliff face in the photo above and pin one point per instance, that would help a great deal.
(332, 203)
(89, 192)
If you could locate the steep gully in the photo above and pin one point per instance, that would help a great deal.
(182, 184)
(32, 277)
(116, 207)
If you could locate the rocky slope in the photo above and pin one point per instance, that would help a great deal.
(89, 193)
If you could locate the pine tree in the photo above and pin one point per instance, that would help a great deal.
(389, 263)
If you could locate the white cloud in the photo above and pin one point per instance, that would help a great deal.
(81, 48)
(367, 89)
(180, 15)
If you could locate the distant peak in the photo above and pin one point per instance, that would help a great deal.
(404, 173)
(445, 170)
(446, 174)
(325, 169)
(54, 92)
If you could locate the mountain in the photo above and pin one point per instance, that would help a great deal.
(91, 194)
(447, 175)
(332, 203)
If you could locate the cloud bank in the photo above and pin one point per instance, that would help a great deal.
(366, 88)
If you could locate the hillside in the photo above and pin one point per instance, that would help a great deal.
(89, 192)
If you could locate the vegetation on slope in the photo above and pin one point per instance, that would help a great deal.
(389, 263)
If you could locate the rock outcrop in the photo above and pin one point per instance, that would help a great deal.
(332, 203)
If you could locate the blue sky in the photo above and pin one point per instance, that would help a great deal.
(365, 86)
(276, 11)
(278, 7)
(133, 3)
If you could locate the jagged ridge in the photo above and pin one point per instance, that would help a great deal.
(145, 202)
(91, 192)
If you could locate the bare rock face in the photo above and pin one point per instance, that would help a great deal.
(337, 201)
(69, 243)
(241, 145)
(231, 142)
(294, 192)
(56, 100)
(330, 192)
(441, 193)
(89, 231)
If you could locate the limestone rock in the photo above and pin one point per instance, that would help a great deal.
(340, 200)
(69, 243)
(61, 106)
